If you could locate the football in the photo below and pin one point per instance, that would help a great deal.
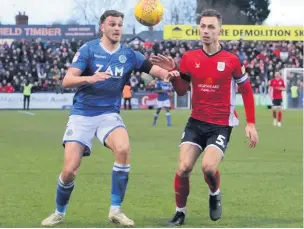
(149, 12)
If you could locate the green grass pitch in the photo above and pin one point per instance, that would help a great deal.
(261, 187)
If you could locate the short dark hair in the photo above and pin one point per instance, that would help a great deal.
(108, 13)
(212, 13)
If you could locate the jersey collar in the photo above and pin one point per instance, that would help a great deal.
(221, 49)
(110, 52)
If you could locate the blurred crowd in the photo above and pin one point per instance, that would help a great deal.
(260, 58)
(44, 63)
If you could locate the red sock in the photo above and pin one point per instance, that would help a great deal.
(280, 116)
(181, 187)
(274, 114)
(213, 181)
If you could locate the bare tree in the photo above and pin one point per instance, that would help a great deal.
(181, 12)
(57, 22)
(72, 21)
(82, 10)
(237, 11)
(89, 11)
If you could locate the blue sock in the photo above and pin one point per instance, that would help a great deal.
(168, 116)
(155, 119)
(63, 195)
(120, 177)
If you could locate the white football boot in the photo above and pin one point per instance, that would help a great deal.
(116, 215)
(53, 219)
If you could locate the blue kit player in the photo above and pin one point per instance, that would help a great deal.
(163, 100)
(100, 69)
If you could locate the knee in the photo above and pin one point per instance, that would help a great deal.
(208, 169)
(184, 169)
(68, 175)
(122, 151)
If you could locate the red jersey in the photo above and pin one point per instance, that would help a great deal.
(214, 79)
(275, 84)
(9, 89)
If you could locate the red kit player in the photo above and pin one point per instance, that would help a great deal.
(213, 74)
(276, 86)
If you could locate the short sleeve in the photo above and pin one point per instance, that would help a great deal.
(239, 73)
(81, 57)
(140, 58)
(158, 85)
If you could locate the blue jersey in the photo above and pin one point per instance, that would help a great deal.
(105, 96)
(166, 89)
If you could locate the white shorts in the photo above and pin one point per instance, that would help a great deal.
(82, 129)
(165, 103)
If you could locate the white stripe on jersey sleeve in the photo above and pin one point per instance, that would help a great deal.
(241, 79)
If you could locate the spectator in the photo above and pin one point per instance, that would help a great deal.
(1, 88)
(9, 88)
(45, 63)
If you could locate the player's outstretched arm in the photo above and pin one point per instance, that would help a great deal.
(145, 65)
(163, 61)
(73, 79)
(163, 74)
(180, 82)
(158, 72)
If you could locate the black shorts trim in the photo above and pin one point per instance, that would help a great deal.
(191, 143)
(203, 134)
(277, 102)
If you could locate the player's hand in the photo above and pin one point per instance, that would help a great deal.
(99, 76)
(163, 61)
(252, 134)
(171, 75)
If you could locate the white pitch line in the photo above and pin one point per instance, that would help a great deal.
(26, 112)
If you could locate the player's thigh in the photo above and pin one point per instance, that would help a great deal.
(188, 155)
(215, 147)
(113, 134)
(118, 141)
(280, 101)
(160, 104)
(277, 103)
(192, 144)
(80, 130)
(167, 104)
(73, 154)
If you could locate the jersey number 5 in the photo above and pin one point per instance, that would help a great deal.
(220, 140)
